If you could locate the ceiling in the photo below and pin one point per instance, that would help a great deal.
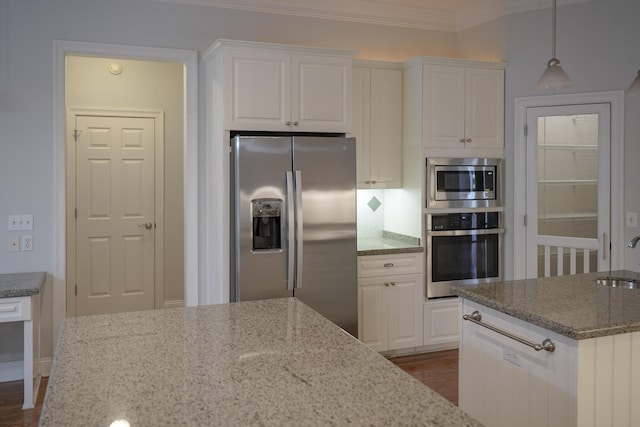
(439, 15)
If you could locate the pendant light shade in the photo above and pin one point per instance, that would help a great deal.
(554, 76)
(634, 88)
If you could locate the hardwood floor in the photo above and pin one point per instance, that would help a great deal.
(438, 370)
(11, 413)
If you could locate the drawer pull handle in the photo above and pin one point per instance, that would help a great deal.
(388, 265)
(476, 318)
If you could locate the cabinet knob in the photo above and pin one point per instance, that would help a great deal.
(393, 283)
(288, 123)
(295, 123)
(388, 265)
(373, 182)
(462, 140)
(386, 284)
(468, 140)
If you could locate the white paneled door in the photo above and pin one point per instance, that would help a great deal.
(115, 223)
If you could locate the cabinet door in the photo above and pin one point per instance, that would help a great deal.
(386, 128)
(441, 321)
(257, 90)
(321, 93)
(373, 313)
(443, 106)
(361, 113)
(406, 296)
(484, 115)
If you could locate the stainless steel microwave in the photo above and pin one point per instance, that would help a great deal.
(464, 182)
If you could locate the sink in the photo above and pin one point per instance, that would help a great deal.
(618, 282)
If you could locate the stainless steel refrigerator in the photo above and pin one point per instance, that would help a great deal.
(293, 210)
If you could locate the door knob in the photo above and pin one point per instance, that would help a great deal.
(148, 225)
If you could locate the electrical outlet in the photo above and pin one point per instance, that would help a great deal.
(27, 242)
(631, 219)
(20, 222)
(14, 243)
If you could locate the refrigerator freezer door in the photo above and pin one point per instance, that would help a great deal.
(328, 171)
(259, 186)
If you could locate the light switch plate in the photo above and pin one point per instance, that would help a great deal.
(631, 219)
(20, 222)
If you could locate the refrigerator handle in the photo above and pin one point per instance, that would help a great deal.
(291, 232)
(299, 224)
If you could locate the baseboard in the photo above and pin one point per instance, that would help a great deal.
(173, 304)
(14, 371)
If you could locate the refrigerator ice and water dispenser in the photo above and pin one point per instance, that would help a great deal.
(266, 227)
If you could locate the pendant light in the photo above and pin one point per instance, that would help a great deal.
(554, 76)
(634, 88)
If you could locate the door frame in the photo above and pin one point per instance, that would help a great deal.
(616, 100)
(158, 180)
(189, 59)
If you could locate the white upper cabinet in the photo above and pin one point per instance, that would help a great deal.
(377, 124)
(463, 105)
(270, 87)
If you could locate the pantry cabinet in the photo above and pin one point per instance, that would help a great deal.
(269, 87)
(390, 297)
(377, 123)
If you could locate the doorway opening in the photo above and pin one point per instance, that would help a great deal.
(188, 61)
(568, 196)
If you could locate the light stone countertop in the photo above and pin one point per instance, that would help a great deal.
(574, 305)
(388, 243)
(272, 362)
(14, 285)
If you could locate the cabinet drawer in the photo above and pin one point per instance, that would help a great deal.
(385, 265)
(15, 309)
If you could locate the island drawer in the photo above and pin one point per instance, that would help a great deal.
(15, 309)
(387, 265)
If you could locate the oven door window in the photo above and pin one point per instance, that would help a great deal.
(464, 257)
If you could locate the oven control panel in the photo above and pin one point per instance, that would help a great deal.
(465, 221)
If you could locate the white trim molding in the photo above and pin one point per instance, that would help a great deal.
(189, 59)
(616, 100)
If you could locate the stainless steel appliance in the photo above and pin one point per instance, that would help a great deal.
(463, 248)
(294, 223)
(464, 182)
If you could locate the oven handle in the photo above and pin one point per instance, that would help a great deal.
(466, 232)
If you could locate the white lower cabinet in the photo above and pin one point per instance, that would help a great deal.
(390, 299)
(441, 322)
(582, 383)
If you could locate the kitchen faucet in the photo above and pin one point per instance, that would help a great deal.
(633, 242)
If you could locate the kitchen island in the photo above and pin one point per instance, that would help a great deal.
(583, 370)
(271, 362)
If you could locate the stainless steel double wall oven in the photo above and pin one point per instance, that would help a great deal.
(464, 222)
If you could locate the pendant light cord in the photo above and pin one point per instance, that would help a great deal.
(553, 29)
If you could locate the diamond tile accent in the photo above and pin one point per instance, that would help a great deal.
(374, 203)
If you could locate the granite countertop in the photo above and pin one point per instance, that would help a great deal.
(14, 285)
(574, 306)
(388, 243)
(271, 362)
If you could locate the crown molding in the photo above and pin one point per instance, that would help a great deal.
(399, 13)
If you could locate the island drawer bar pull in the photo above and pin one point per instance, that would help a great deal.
(546, 345)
